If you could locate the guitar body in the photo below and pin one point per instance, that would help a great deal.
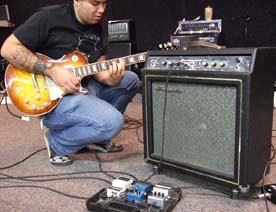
(35, 94)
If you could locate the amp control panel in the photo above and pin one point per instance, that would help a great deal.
(199, 60)
(208, 63)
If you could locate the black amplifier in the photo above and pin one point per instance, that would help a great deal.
(121, 31)
(199, 27)
(208, 113)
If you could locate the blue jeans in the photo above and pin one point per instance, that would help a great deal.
(96, 117)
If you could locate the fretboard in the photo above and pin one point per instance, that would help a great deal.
(94, 68)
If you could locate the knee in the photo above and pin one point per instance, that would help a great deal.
(114, 123)
(132, 81)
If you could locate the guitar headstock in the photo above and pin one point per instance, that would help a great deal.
(166, 46)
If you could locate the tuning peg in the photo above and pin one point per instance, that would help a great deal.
(160, 46)
(169, 44)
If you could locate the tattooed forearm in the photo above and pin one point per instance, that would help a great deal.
(29, 61)
(23, 57)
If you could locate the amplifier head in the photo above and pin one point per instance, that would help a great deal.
(121, 30)
(199, 26)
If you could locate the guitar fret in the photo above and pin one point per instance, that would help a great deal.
(99, 67)
(94, 68)
(87, 70)
(141, 58)
(76, 71)
(131, 59)
(83, 70)
(104, 66)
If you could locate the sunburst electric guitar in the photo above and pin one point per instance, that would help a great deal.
(36, 94)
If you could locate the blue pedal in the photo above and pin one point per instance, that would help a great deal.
(138, 192)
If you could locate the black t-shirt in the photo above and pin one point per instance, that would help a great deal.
(55, 32)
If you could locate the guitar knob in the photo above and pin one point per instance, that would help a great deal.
(26, 101)
(37, 98)
(33, 107)
(45, 104)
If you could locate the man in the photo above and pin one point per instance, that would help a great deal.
(78, 120)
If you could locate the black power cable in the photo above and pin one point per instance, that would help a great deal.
(7, 167)
(264, 173)
(157, 169)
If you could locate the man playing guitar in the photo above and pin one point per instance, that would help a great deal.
(65, 33)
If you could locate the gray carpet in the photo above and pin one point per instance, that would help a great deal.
(35, 185)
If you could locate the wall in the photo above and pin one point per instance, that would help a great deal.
(245, 22)
(20, 10)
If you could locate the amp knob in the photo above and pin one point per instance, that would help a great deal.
(221, 64)
(213, 64)
(204, 63)
(164, 62)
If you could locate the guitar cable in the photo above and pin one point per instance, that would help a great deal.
(5, 96)
(2, 97)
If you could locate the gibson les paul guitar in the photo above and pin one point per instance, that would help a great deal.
(36, 94)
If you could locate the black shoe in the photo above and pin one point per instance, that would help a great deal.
(55, 159)
(107, 148)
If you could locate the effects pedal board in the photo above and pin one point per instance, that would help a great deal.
(126, 195)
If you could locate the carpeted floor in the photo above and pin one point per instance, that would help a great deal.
(28, 182)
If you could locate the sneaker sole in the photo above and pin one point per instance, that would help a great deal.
(62, 160)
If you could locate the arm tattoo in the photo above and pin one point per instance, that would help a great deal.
(41, 66)
(22, 57)
(29, 62)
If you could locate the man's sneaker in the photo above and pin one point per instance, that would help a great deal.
(55, 159)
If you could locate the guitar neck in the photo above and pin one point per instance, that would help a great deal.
(94, 68)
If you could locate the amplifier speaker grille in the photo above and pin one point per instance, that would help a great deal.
(198, 117)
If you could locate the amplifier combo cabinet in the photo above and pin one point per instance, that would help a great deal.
(208, 113)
